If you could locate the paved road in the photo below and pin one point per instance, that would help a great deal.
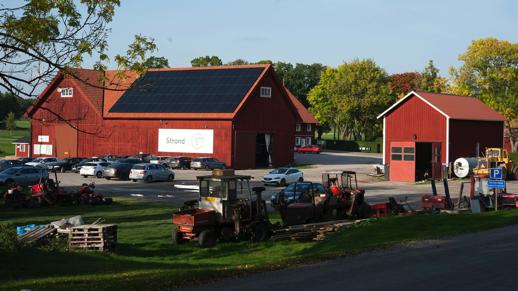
(482, 261)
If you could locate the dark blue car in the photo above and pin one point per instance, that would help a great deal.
(294, 192)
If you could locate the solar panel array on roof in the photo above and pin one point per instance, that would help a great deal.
(188, 91)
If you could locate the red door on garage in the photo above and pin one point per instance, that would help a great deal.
(66, 141)
(402, 161)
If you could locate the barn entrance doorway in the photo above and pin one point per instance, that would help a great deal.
(423, 161)
(262, 155)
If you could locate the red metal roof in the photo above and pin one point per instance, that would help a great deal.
(453, 106)
(304, 115)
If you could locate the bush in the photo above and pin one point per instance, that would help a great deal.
(354, 146)
(8, 238)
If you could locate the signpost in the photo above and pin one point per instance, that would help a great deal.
(495, 182)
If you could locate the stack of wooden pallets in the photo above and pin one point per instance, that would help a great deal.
(99, 237)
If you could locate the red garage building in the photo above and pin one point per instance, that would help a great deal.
(241, 115)
(424, 132)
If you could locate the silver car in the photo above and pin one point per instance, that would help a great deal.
(150, 173)
(24, 175)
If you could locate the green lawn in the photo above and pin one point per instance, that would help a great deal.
(145, 258)
(7, 137)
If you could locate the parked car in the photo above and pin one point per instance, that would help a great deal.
(308, 149)
(23, 175)
(77, 167)
(180, 162)
(24, 160)
(109, 158)
(93, 169)
(42, 162)
(6, 164)
(207, 164)
(120, 169)
(67, 163)
(150, 173)
(296, 191)
(283, 176)
(162, 160)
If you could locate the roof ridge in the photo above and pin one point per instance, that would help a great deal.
(449, 94)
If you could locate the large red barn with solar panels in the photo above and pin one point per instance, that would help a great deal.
(241, 115)
(423, 133)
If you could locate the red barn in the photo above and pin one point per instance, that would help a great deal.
(424, 132)
(241, 115)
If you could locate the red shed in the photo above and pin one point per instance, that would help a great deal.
(424, 132)
(241, 115)
(22, 147)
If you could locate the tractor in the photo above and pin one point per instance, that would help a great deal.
(225, 211)
(306, 202)
(497, 158)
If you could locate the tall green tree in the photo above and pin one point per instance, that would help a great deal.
(351, 97)
(206, 61)
(10, 122)
(41, 37)
(490, 72)
(156, 62)
(431, 81)
(299, 78)
(237, 62)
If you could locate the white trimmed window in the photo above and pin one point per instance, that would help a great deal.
(266, 92)
(297, 141)
(22, 148)
(308, 127)
(308, 140)
(66, 92)
(297, 127)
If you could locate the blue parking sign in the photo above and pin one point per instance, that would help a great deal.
(496, 184)
(495, 173)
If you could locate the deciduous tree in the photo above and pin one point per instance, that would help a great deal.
(403, 83)
(156, 62)
(10, 122)
(490, 72)
(206, 61)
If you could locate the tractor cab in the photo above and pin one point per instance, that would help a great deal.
(220, 193)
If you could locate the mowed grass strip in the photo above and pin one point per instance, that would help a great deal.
(146, 259)
(7, 137)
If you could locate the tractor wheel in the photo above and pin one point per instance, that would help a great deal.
(364, 211)
(282, 183)
(177, 237)
(260, 232)
(207, 238)
(227, 234)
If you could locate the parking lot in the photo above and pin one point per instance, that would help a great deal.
(377, 190)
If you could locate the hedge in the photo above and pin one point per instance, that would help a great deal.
(354, 146)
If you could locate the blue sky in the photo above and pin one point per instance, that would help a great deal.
(399, 35)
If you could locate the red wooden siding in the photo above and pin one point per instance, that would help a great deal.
(464, 135)
(275, 116)
(415, 117)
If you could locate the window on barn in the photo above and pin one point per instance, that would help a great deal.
(266, 92)
(22, 148)
(397, 153)
(408, 154)
(297, 141)
(308, 127)
(308, 140)
(297, 127)
(66, 92)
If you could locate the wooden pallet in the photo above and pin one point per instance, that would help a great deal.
(101, 237)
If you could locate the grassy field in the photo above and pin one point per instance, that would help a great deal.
(7, 137)
(145, 258)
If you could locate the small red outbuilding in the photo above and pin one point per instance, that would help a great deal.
(241, 115)
(424, 132)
